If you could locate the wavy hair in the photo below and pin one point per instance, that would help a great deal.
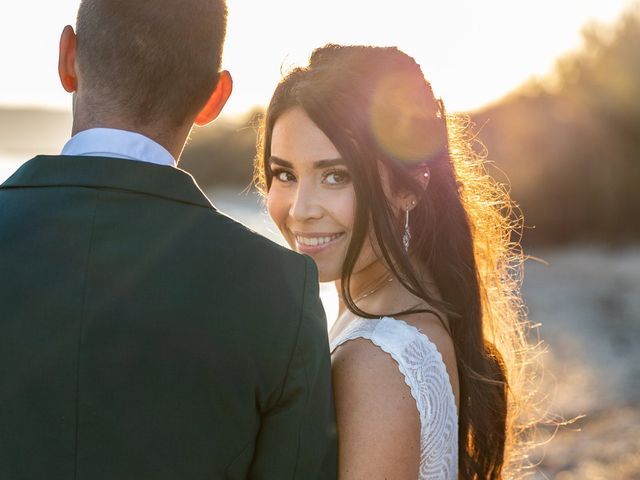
(376, 107)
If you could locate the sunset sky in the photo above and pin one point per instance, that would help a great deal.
(473, 52)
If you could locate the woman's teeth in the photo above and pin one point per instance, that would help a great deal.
(315, 241)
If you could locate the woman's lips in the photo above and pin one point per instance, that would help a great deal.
(315, 242)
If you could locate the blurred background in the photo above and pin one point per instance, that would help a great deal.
(554, 91)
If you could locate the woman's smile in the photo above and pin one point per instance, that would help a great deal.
(313, 243)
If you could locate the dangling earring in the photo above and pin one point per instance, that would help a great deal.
(406, 238)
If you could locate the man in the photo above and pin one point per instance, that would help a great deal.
(143, 334)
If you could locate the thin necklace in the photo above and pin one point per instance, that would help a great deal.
(379, 286)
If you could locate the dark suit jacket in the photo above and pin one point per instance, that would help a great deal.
(144, 335)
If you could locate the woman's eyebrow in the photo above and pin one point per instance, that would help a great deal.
(318, 164)
(279, 161)
(330, 162)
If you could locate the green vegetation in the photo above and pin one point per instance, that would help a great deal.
(223, 153)
(570, 144)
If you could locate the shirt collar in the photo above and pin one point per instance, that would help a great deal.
(110, 142)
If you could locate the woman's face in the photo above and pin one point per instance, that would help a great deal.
(311, 198)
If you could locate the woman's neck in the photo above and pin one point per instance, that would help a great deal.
(377, 291)
(364, 283)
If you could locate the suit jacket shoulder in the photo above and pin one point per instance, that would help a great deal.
(139, 315)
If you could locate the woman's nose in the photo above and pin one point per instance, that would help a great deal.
(307, 204)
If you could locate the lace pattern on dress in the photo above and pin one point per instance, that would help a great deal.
(425, 373)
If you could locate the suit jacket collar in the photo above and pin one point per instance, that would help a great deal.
(112, 173)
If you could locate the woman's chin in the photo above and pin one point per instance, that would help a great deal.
(326, 275)
(325, 278)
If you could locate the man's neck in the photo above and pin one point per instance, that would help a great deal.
(173, 141)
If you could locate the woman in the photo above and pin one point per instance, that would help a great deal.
(363, 172)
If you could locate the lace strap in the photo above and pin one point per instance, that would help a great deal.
(418, 360)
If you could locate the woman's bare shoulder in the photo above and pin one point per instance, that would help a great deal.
(377, 416)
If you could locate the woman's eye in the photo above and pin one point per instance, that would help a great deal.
(283, 176)
(337, 177)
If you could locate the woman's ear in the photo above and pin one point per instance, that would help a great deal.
(424, 175)
(217, 100)
(408, 200)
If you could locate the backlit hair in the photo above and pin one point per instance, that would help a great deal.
(378, 110)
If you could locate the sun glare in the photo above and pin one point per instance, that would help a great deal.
(471, 52)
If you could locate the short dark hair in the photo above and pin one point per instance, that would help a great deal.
(151, 60)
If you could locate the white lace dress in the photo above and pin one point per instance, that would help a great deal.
(426, 375)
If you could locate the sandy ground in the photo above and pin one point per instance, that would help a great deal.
(588, 302)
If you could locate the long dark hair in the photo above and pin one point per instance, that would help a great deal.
(380, 113)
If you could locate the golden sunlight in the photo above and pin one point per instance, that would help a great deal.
(472, 52)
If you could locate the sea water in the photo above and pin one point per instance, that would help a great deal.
(9, 164)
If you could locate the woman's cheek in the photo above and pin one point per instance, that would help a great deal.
(343, 206)
(277, 209)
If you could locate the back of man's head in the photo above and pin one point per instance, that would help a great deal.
(150, 61)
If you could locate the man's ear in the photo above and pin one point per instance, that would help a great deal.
(217, 100)
(67, 60)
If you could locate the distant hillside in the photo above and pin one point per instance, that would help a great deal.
(25, 132)
(223, 152)
(220, 153)
(571, 149)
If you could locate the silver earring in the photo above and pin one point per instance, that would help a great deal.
(406, 238)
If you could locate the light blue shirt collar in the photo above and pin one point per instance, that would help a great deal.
(110, 142)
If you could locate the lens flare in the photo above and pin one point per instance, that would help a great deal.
(405, 124)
